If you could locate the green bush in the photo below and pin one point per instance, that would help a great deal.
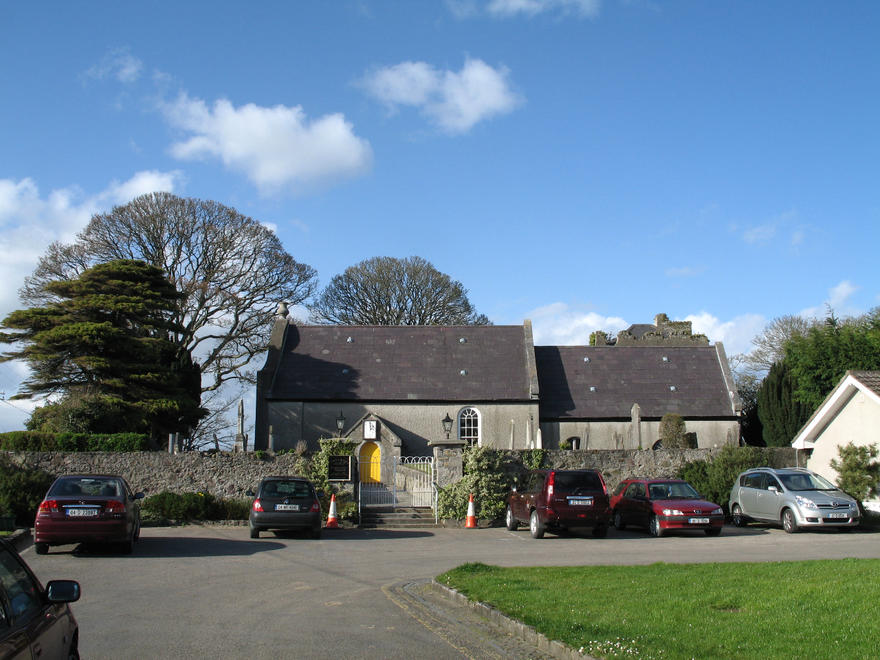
(858, 473)
(486, 473)
(182, 507)
(21, 491)
(73, 442)
(713, 479)
(672, 431)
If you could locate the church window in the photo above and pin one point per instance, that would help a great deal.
(469, 426)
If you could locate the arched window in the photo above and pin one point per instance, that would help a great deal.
(574, 442)
(469, 426)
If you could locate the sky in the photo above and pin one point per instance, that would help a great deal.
(586, 164)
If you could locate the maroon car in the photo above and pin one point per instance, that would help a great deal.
(88, 508)
(662, 505)
(556, 500)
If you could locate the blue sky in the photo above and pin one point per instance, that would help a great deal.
(586, 164)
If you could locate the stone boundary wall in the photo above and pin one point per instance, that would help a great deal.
(230, 475)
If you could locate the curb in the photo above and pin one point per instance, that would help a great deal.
(517, 628)
(20, 539)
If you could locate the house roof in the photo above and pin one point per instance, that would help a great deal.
(852, 382)
(402, 363)
(602, 382)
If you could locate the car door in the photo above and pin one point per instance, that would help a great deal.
(768, 500)
(29, 627)
(750, 486)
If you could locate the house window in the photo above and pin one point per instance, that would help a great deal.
(574, 442)
(469, 426)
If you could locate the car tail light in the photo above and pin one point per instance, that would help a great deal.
(258, 506)
(47, 507)
(550, 481)
(316, 507)
(113, 506)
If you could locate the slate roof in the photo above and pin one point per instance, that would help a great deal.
(401, 363)
(623, 375)
(870, 379)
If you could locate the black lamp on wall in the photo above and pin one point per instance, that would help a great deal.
(447, 425)
(340, 422)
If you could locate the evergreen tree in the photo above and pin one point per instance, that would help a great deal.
(102, 345)
(781, 414)
(858, 472)
(822, 356)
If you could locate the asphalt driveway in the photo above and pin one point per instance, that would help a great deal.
(212, 592)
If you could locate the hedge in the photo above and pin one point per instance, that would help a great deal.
(40, 441)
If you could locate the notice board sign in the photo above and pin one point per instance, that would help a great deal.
(339, 468)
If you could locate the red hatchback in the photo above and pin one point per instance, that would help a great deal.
(88, 508)
(662, 505)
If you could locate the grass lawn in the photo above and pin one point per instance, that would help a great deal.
(812, 609)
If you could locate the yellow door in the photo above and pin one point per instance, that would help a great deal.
(371, 463)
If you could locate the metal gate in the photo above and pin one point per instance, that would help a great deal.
(409, 484)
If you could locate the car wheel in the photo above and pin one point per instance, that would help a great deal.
(739, 519)
(255, 532)
(713, 531)
(137, 532)
(618, 521)
(41, 548)
(789, 523)
(656, 530)
(536, 527)
(510, 520)
(600, 531)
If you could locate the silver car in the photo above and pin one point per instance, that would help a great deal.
(792, 497)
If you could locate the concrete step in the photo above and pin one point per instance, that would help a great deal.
(388, 517)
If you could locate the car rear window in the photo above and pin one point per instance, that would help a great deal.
(286, 489)
(572, 481)
(96, 486)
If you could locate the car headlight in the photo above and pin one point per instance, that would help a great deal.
(718, 512)
(805, 502)
(672, 512)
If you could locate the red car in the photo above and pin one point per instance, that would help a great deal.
(663, 505)
(35, 622)
(88, 508)
(556, 500)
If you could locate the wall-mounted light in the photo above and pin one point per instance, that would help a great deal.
(340, 422)
(447, 425)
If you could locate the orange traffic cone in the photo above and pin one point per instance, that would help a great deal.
(470, 522)
(332, 522)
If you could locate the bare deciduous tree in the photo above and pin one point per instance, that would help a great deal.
(389, 291)
(231, 269)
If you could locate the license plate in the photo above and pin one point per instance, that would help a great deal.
(287, 507)
(580, 501)
(82, 513)
(698, 521)
(838, 515)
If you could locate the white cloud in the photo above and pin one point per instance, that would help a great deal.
(766, 232)
(453, 101)
(29, 222)
(558, 324)
(736, 334)
(685, 271)
(759, 234)
(277, 148)
(838, 301)
(118, 64)
(580, 8)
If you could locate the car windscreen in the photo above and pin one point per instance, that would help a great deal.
(805, 481)
(673, 490)
(572, 482)
(286, 489)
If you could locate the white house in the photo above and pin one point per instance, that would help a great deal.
(850, 413)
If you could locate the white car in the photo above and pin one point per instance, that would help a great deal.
(791, 497)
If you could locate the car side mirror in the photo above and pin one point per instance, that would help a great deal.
(62, 591)
(138, 496)
(773, 489)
